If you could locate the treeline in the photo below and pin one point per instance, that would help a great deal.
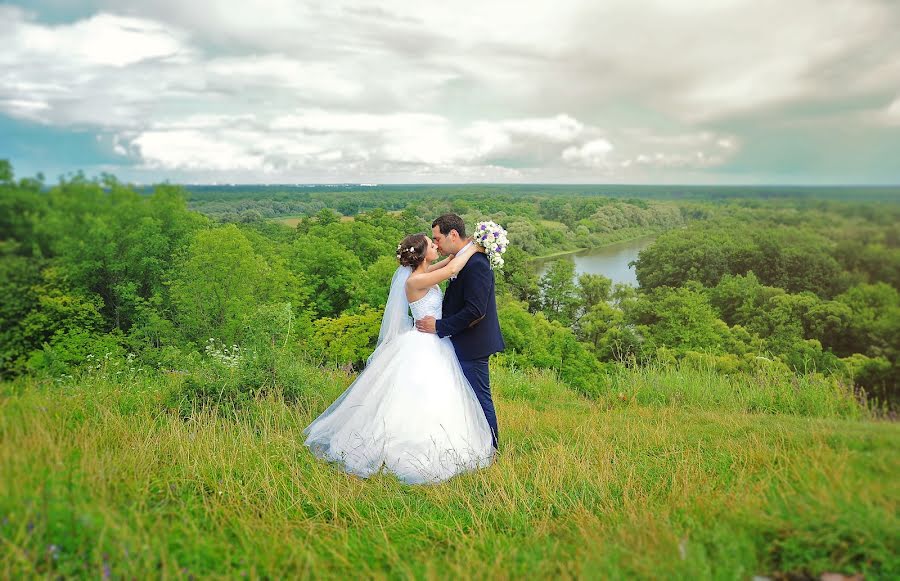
(94, 269)
(91, 267)
(245, 203)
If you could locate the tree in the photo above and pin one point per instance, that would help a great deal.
(329, 270)
(593, 289)
(679, 318)
(216, 283)
(6, 172)
(739, 299)
(559, 295)
(534, 341)
(327, 217)
(371, 287)
(518, 278)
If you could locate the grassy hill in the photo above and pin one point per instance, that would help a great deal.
(674, 478)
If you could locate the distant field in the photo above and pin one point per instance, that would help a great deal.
(292, 221)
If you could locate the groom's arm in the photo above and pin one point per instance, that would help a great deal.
(476, 293)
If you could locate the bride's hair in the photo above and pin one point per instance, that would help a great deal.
(411, 250)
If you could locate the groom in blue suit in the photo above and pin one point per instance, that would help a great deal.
(469, 313)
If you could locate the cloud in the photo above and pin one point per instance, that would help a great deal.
(100, 40)
(892, 114)
(316, 142)
(591, 154)
(574, 90)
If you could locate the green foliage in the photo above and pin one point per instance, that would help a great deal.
(533, 341)
(372, 285)
(19, 275)
(594, 289)
(559, 294)
(346, 340)
(679, 318)
(114, 243)
(62, 327)
(518, 278)
(90, 265)
(231, 376)
(329, 270)
(786, 257)
(216, 282)
(873, 335)
(69, 349)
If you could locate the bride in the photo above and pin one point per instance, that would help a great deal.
(411, 411)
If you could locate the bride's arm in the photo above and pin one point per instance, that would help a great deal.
(440, 264)
(452, 268)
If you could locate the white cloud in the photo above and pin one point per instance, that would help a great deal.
(315, 142)
(592, 154)
(101, 40)
(470, 88)
(191, 149)
(24, 108)
(892, 113)
(276, 71)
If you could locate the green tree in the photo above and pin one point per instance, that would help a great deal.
(679, 318)
(534, 341)
(519, 279)
(329, 270)
(216, 283)
(559, 295)
(372, 285)
(593, 289)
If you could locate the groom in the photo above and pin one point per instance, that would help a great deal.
(469, 313)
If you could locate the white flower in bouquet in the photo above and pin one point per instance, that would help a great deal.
(492, 237)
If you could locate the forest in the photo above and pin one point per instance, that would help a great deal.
(194, 326)
(94, 268)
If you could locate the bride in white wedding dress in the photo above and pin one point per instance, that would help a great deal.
(411, 411)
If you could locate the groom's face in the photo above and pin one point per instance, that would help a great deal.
(446, 243)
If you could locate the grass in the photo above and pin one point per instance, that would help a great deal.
(98, 479)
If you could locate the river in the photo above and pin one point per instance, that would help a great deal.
(611, 261)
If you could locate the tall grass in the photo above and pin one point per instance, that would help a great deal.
(98, 478)
(765, 389)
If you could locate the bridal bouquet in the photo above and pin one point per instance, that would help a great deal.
(492, 237)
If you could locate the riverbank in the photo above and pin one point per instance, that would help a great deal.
(644, 233)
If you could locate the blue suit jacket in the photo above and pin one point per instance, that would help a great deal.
(470, 312)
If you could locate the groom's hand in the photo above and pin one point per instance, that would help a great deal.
(426, 325)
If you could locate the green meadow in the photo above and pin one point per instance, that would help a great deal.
(674, 472)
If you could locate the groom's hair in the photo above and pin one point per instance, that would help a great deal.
(449, 222)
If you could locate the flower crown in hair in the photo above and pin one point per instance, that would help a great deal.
(400, 250)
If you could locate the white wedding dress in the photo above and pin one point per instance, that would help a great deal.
(411, 411)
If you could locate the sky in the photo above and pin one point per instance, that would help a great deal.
(469, 91)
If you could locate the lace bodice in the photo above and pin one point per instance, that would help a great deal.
(429, 305)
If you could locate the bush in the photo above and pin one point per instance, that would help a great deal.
(72, 349)
(229, 378)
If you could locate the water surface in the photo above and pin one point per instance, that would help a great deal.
(611, 261)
